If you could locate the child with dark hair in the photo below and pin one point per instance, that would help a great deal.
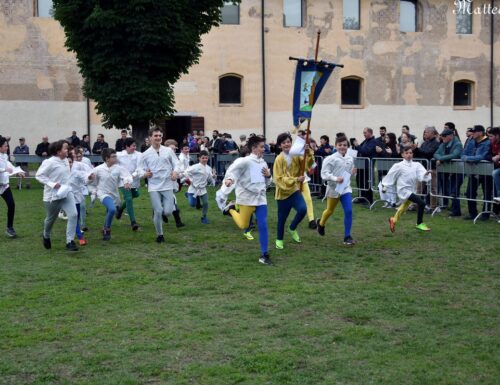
(288, 177)
(54, 173)
(405, 175)
(129, 160)
(251, 176)
(201, 175)
(108, 177)
(6, 168)
(335, 171)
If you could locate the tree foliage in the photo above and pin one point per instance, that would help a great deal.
(131, 52)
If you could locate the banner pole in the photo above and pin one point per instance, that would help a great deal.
(308, 139)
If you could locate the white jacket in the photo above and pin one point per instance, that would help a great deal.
(334, 166)
(108, 179)
(130, 162)
(183, 163)
(200, 177)
(405, 176)
(78, 180)
(248, 193)
(161, 164)
(52, 171)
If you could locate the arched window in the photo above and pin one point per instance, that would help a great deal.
(409, 16)
(230, 89)
(463, 94)
(352, 91)
(44, 8)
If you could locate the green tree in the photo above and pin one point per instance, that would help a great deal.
(131, 52)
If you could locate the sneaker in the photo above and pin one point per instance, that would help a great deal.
(496, 199)
(313, 225)
(10, 232)
(321, 229)
(71, 246)
(179, 224)
(279, 244)
(205, 221)
(160, 239)
(165, 218)
(386, 205)
(47, 243)
(62, 215)
(265, 260)
(248, 235)
(119, 212)
(135, 226)
(229, 206)
(82, 242)
(295, 235)
(85, 229)
(349, 241)
(106, 234)
(392, 224)
(423, 227)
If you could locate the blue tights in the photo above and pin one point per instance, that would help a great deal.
(110, 211)
(295, 201)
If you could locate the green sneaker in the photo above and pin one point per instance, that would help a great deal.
(279, 244)
(295, 235)
(248, 235)
(423, 227)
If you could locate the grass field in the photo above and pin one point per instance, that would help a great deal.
(404, 308)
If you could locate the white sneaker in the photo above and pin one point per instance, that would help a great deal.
(62, 215)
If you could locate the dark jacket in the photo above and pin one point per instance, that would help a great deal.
(475, 152)
(427, 149)
(98, 147)
(321, 151)
(449, 151)
(120, 145)
(41, 148)
(367, 148)
(25, 150)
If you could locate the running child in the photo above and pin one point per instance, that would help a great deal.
(287, 177)
(335, 171)
(201, 175)
(405, 176)
(251, 177)
(108, 177)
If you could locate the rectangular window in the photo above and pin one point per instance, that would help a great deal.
(463, 13)
(293, 14)
(351, 14)
(44, 8)
(462, 94)
(408, 16)
(230, 13)
(351, 92)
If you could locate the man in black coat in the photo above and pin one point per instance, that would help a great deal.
(367, 149)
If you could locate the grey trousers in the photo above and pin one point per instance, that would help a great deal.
(52, 210)
(163, 203)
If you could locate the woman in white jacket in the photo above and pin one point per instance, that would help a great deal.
(405, 176)
(54, 173)
(252, 177)
(337, 170)
(201, 175)
(6, 168)
(108, 177)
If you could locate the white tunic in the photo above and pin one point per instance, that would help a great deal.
(405, 176)
(200, 177)
(161, 164)
(108, 179)
(334, 166)
(52, 171)
(183, 163)
(78, 180)
(130, 162)
(4, 175)
(248, 193)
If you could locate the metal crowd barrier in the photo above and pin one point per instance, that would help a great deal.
(381, 166)
(460, 181)
(364, 177)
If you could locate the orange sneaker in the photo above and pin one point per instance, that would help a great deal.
(83, 242)
(392, 224)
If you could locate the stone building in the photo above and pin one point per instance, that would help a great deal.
(413, 62)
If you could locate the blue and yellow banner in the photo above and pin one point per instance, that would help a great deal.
(310, 78)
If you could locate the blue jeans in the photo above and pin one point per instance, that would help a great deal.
(295, 201)
(496, 179)
(110, 211)
(204, 203)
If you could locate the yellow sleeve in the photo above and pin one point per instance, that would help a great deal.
(281, 177)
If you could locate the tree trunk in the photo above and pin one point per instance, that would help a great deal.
(140, 132)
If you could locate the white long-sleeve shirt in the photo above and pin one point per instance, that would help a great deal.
(248, 193)
(183, 163)
(405, 176)
(52, 171)
(78, 180)
(200, 176)
(130, 162)
(108, 179)
(161, 164)
(334, 166)
(4, 175)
